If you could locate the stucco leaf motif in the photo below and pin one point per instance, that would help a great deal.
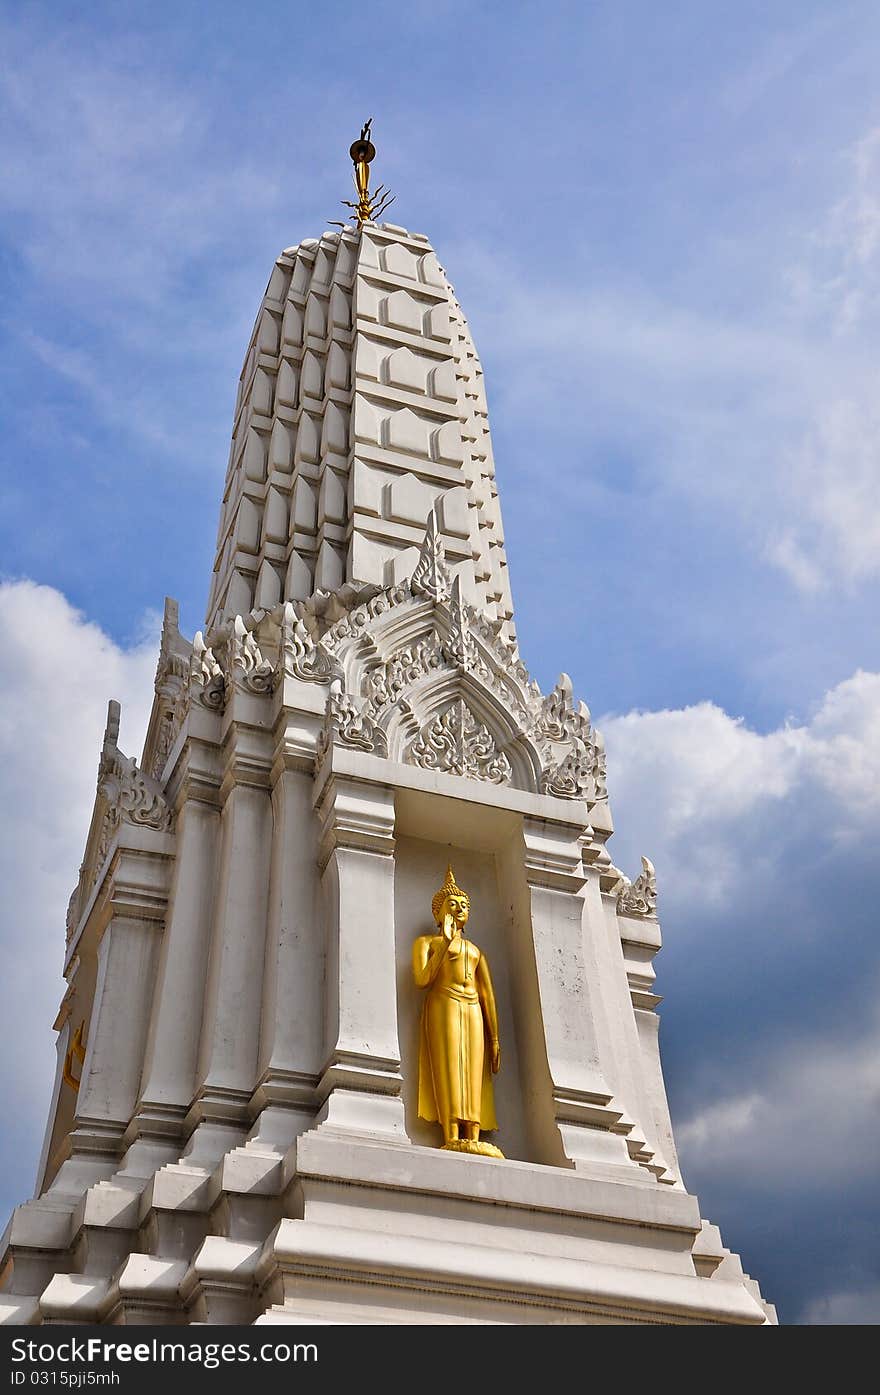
(300, 656)
(347, 724)
(170, 726)
(638, 898)
(455, 742)
(131, 796)
(580, 774)
(459, 646)
(388, 682)
(207, 684)
(247, 666)
(431, 576)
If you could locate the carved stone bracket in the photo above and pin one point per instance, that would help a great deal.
(455, 742)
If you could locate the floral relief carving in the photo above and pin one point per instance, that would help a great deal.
(387, 683)
(456, 742)
(459, 646)
(130, 796)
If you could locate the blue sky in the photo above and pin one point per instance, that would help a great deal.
(663, 223)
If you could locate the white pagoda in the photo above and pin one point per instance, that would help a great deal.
(235, 1133)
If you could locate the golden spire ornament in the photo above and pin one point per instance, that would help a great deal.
(369, 206)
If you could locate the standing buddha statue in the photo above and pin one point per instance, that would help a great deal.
(459, 1050)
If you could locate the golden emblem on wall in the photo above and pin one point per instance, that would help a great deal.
(459, 1051)
(76, 1052)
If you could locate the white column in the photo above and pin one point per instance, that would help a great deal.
(361, 1080)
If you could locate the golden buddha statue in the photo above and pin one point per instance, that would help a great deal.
(459, 1050)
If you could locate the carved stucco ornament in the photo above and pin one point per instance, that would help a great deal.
(247, 667)
(300, 657)
(459, 647)
(455, 742)
(207, 684)
(171, 686)
(348, 724)
(129, 794)
(431, 576)
(388, 682)
(638, 898)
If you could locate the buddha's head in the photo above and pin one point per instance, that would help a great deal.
(451, 900)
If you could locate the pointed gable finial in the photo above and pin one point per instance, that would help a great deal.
(431, 576)
(369, 206)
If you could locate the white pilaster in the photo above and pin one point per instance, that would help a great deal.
(361, 1081)
(582, 1097)
(233, 999)
(172, 1054)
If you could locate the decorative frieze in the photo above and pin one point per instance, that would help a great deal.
(387, 683)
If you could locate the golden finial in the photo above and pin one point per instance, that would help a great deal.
(369, 206)
(449, 888)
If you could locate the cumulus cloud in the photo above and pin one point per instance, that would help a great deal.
(823, 1092)
(57, 672)
(717, 781)
(765, 848)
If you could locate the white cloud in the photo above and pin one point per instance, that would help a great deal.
(847, 1308)
(57, 673)
(690, 786)
(765, 847)
(824, 1093)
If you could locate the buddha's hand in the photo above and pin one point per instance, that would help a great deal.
(448, 926)
(496, 1057)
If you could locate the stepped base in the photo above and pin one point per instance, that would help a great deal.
(347, 1229)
